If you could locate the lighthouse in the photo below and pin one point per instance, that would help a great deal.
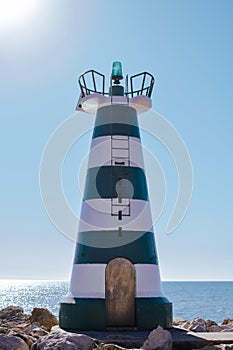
(115, 281)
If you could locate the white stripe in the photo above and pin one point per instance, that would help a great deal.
(101, 153)
(88, 281)
(148, 283)
(92, 102)
(96, 215)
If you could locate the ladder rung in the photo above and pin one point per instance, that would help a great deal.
(120, 148)
(119, 163)
(121, 214)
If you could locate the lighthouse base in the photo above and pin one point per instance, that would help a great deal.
(90, 314)
(153, 312)
(82, 314)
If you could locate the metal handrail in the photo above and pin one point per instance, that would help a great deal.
(86, 90)
(144, 90)
(148, 89)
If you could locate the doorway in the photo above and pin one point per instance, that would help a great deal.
(120, 284)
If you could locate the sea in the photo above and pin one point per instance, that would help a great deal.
(208, 300)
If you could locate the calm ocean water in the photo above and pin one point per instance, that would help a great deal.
(209, 300)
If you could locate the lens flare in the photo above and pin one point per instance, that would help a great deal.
(13, 11)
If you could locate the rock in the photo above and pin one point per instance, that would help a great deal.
(227, 324)
(197, 329)
(13, 315)
(227, 321)
(186, 325)
(103, 346)
(29, 329)
(182, 323)
(221, 328)
(209, 324)
(39, 332)
(215, 328)
(29, 340)
(197, 325)
(179, 321)
(228, 329)
(207, 347)
(217, 347)
(13, 320)
(35, 330)
(158, 339)
(9, 342)
(3, 330)
(44, 317)
(57, 340)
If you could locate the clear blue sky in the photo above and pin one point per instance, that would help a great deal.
(188, 46)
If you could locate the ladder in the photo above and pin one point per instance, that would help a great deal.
(120, 150)
(120, 156)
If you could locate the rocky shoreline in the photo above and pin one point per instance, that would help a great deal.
(200, 325)
(40, 331)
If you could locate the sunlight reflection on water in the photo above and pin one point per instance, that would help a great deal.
(209, 300)
(29, 294)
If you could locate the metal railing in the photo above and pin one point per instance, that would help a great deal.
(88, 84)
(143, 90)
(91, 75)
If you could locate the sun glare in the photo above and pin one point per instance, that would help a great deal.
(13, 11)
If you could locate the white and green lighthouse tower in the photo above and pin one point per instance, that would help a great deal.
(115, 279)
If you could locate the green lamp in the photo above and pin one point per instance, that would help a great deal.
(117, 72)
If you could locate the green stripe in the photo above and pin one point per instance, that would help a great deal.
(139, 251)
(153, 312)
(101, 182)
(116, 119)
(116, 113)
(78, 313)
(82, 314)
(116, 129)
